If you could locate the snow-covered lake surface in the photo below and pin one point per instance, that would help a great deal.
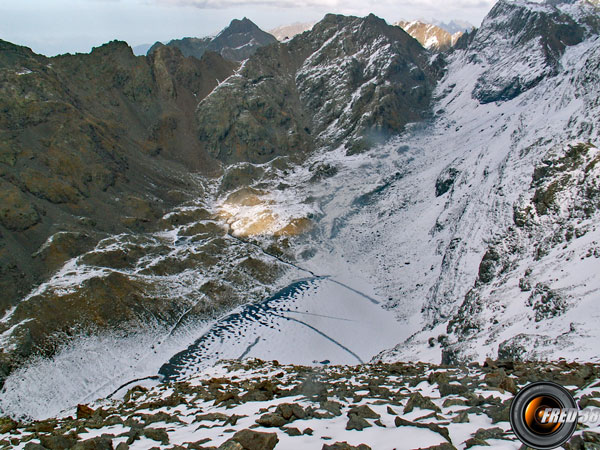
(312, 321)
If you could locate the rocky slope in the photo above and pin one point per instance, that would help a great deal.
(104, 152)
(519, 249)
(540, 33)
(236, 42)
(254, 405)
(430, 36)
(92, 146)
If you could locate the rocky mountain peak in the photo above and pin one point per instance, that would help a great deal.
(114, 46)
(11, 54)
(118, 52)
(237, 42)
(244, 25)
(349, 81)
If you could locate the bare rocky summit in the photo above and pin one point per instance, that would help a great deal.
(236, 42)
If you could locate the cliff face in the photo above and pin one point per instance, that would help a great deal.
(523, 44)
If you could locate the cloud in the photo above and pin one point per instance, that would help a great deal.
(224, 4)
(330, 4)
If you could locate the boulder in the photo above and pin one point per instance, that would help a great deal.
(255, 440)
(417, 400)
(97, 443)
(84, 412)
(345, 446)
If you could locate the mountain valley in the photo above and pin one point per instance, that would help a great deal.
(344, 198)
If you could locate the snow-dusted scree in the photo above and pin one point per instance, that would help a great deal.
(473, 234)
(256, 405)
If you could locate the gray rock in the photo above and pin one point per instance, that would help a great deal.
(98, 443)
(491, 433)
(271, 420)
(345, 446)
(363, 412)
(451, 389)
(157, 434)
(34, 446)
(291, 431)
(231, 445)
(357, 423)
(473, 442)
(462, 417)
(57, 442)
(256, 440)
(400, 422)
(418, 401)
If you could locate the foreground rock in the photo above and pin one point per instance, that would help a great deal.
(401, 402)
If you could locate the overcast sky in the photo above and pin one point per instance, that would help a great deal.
(60, 26)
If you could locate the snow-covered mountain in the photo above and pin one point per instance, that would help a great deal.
(454, 26)
(285, 32)
(430, 36)
(512, 191)
(376, 201)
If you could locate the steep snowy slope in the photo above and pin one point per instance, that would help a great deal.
(421, 219)
(516, 205)
(149, 293)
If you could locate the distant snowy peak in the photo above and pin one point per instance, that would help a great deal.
(454, 26)
(430, 36)
(286, 32)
